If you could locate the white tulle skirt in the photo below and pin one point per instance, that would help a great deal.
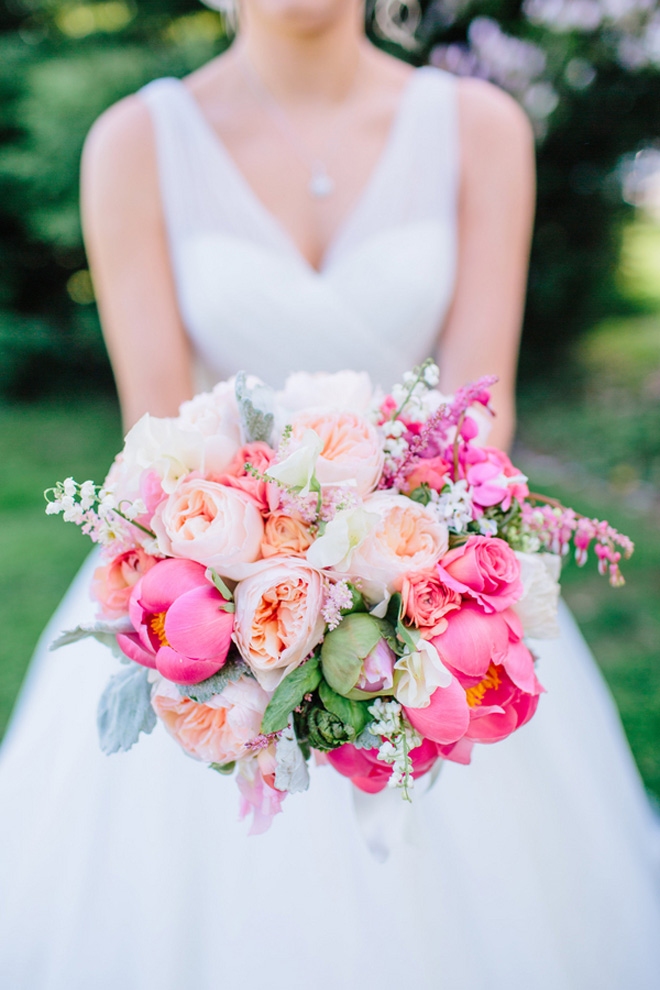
(535, 867)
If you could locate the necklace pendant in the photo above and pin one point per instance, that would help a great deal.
(321, 185)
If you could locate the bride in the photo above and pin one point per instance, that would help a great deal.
(305, 201)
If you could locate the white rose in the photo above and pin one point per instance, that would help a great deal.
(344, 390)
(537, 608)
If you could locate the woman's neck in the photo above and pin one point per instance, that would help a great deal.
(299, 66)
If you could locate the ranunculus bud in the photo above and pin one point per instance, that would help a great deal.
(356, 659)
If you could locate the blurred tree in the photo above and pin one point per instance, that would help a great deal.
(587, 73)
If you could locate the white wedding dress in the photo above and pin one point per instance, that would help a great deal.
(535, 867)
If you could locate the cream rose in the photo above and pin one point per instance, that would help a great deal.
(217, 526)
(407, 537)
(537, 608)
(342, 390)
(278, 617)
(352, 448)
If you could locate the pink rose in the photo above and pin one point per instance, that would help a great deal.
(260, 456)
(352, 448)
(278, 617)
(486, 569)
(431, 471)
(218, 731)
(112, 583)
(406, 537)
(370, 774)
(493, 478)
(181, 627)
(426, 600)
(212, 524)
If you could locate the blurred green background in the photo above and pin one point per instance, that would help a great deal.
(589, 429)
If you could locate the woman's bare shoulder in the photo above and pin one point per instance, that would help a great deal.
(119, 153)
(492, 123)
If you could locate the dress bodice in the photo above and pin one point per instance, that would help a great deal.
(249, 299)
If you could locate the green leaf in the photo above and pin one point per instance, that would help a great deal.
(225, 768)
(354, 714)
(301, 681)
(421, 494)
(124, 709)
(255, 406)
(202, 692)
(220, 585)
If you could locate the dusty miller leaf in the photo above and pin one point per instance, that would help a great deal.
(232, 671)
(124, 709)
(292, 773)
(255, 406)
(366, 740)
(103, 631)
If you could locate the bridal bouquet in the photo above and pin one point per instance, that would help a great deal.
(327, 572)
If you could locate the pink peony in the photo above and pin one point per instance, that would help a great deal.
(278, 617)
(180, 627)
(370, 774)
(487, 657)
(112, 584)
(218, 731)
(446, 718)
(493, 478)
(426, 600)
(486, 569)
(212, 524)
(260, 456)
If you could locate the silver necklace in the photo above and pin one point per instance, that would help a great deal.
(320, 184)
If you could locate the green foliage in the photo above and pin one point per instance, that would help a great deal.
(289, 694)
(125, 710)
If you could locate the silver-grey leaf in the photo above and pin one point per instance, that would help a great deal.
(233, 670)
(366, 740)
(256, 408)
(124, 709)
(292, 773)
(103, 631)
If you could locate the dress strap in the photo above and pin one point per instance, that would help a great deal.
(180, 155)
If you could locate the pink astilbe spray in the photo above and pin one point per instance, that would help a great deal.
(436, 428)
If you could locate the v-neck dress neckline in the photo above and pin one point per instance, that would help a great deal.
(230, 172)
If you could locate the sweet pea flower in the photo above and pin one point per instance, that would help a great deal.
(182, 625)
(341, 536)
(298, 469)
(418, 673)
(370, 774)
(493, 478)
(484, 568)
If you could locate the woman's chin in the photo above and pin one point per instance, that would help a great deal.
(305, 17)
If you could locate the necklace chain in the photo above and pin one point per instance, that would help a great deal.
(320, 184)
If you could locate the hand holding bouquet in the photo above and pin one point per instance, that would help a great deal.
(326, 572)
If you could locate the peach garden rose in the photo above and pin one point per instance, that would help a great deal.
(278, 617)
(352, 449)
(212, 524)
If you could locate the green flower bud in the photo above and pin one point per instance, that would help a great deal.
(345, 649)
(326, 731)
